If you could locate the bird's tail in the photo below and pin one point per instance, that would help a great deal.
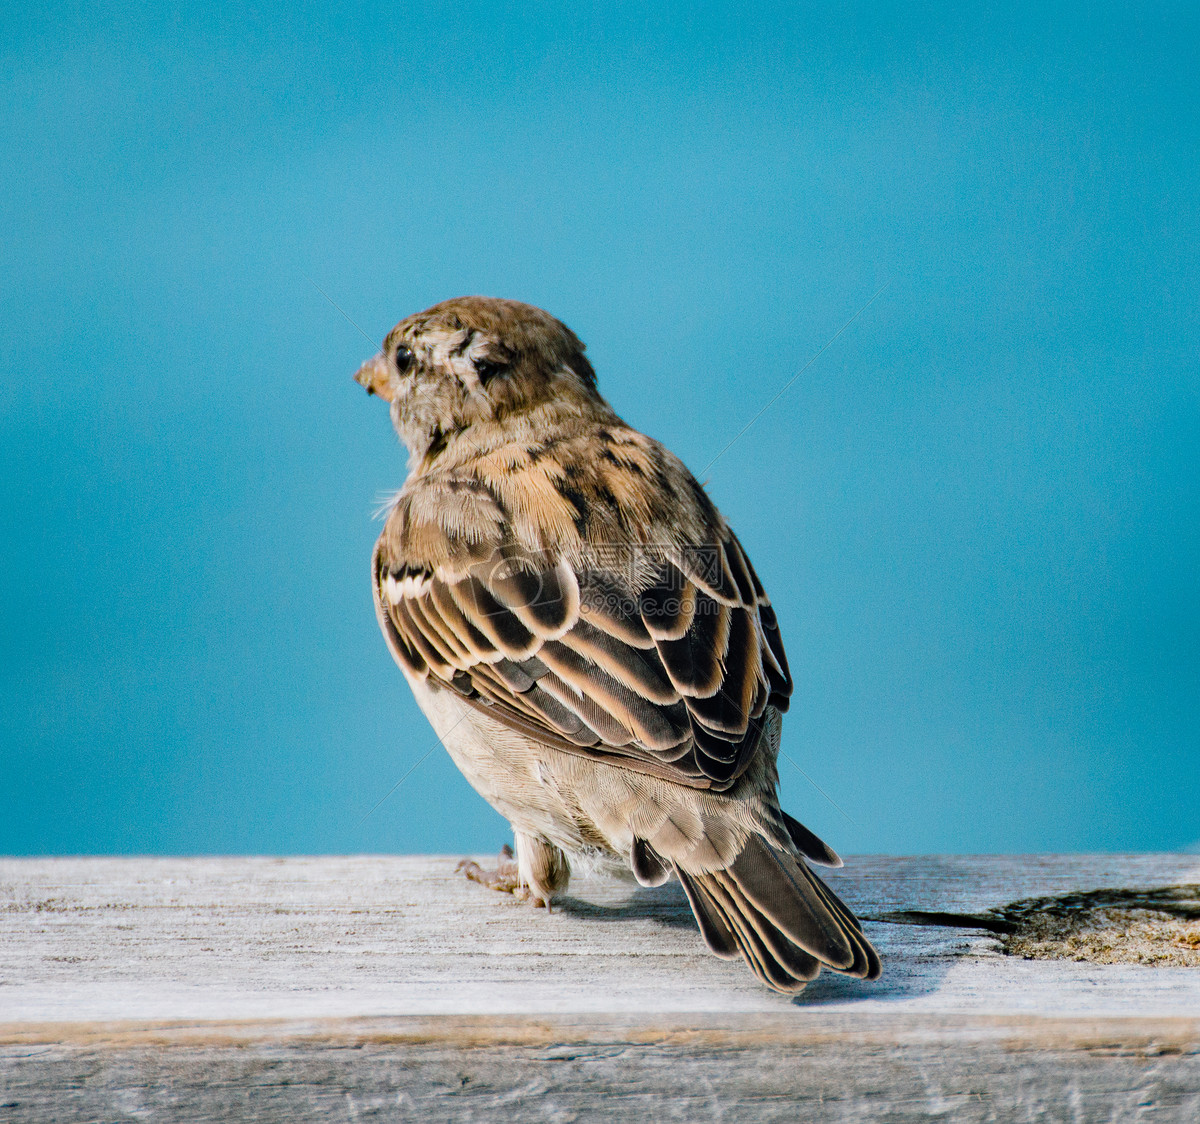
(770, 908)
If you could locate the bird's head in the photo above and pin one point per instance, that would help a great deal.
(482, 364)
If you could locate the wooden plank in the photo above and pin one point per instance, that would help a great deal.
(760, 1067)
(332, 988)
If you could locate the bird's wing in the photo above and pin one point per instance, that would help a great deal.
(659, 658)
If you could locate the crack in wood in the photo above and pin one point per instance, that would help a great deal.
(1159, 925)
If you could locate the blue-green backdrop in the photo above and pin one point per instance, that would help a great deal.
(976, 511)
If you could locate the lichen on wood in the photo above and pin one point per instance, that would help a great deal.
(1159, 927)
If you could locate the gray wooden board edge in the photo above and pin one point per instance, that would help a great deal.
(1151, 1036)
(809, 1066)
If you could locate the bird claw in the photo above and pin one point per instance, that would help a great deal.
(506, 878)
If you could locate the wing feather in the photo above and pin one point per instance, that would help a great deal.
(468, 636)
(665, 666)
(694, 661)
(496, 621)
(588, 710)
(607, 604)
(454, 653)
(638, 670)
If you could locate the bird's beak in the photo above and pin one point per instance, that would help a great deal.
(374, 375)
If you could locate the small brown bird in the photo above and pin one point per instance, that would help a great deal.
(589, 640)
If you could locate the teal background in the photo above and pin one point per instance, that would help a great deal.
(977, 512)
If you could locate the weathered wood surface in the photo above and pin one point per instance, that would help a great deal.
(340, 988)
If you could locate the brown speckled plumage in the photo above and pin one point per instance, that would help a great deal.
(589, 638)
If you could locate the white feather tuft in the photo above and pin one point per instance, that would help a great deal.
(385, 502)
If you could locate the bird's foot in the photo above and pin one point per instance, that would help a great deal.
(506, 877)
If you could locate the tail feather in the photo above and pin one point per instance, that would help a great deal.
(798, 964)
(754, 950)
(772, 880)
(866, 965)
(710, 917)
(809, 845)
(784, 920)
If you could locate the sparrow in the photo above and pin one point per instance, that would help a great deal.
(589, 640)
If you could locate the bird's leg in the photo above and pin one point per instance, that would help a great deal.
(540, 871)
(506, 877)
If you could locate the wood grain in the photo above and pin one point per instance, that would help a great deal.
(338, 988)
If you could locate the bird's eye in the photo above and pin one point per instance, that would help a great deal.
(404, 358)
(488, 369)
